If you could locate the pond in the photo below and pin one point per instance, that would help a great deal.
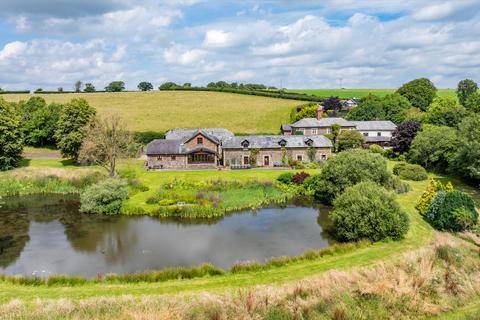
(45, 235)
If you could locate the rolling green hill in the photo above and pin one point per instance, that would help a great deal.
(160, 111)
(359, 93)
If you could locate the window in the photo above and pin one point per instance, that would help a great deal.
(379, 134)
(246, 160)
(314, 131)
(159, 158)
(365, 134)
(329, 130)
(199, 140)
(299, 157)
(324, 157)
(174, 158)
(201, 158)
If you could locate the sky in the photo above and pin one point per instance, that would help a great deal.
(293, 44)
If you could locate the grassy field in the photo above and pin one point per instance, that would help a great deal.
(360, 93)
(160, 111)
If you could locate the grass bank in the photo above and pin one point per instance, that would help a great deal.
(161, 111)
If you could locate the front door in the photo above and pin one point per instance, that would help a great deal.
(246, 160)
(266, 161)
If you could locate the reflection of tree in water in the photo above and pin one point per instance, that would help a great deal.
(13, 234)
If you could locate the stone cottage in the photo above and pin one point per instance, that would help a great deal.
(270, 151)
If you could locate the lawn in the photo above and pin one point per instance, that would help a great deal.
(160, 111)
(360, 93)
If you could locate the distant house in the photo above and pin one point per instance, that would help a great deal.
(374, 132)
(211, 148)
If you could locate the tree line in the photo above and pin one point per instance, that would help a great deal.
(74, 128)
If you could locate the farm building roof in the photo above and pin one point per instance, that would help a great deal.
(219, 134)
(274, 142)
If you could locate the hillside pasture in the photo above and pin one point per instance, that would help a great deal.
(164, 110)
(360, 93)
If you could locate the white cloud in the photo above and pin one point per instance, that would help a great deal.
(177, 54)
(12, 49)
(217, 39)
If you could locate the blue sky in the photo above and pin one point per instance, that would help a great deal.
(299, 44)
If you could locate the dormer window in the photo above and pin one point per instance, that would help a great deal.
(309, 142)
(199, 140)
(245, 143)
(282, 143)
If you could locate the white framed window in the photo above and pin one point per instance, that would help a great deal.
(365, 134)
(299, 157)
(379, 134)
(314, 131)
(329, 130)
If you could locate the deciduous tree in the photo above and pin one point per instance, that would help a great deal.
(115, 86)
(465, 89)
(106, 141)
(420, 92)
(349, 139)
(11, 137)
(445, 111)
(473, 102)
(75, 115)
(145, 86)
(370, 108)
(89, 87)
(404, 134)
(466, 161)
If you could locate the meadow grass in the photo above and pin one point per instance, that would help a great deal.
(360, 93)
(161, 111)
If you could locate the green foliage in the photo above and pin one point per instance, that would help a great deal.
(427, 196)
(420, 92)
(307, 112)
(473, 102)
(40, 125)
(375, 148)
(11, 137)
(115, 86)
(404, 134)
(370, 108)
(286, 178)
(368, 211)
(89, 87)
(466, 160)
(396, 107)
(408, 171)
(145, 86)
(145, 137)
(168, 86)
(346, 169)
(453, 211)
(349, 139)
(465, 89)
(434, 147)
(445, 111)
(74, 116)
(105, 197)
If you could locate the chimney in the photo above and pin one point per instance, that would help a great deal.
(319, 112)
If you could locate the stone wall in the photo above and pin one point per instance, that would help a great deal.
(168, 161)
(275, 156)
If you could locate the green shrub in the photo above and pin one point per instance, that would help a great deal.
(399, 186)
(454, 211)
(145, 137)
(408, 171)
(375, 148)
(368, 211)
(105, 197)
(347, 169)
(286, 178)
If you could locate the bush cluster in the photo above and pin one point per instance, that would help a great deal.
(454, 211)
(105, 197)
(368, 211)
(408, 171)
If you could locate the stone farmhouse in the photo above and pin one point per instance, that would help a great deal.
(217, 147)
(374, 132)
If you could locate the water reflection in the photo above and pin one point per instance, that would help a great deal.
(47, 235)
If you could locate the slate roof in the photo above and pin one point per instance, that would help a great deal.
(323, 122)
(378, 139)
(272, 142)
(163, 146)
(374, 125)
(286, 127)
(220, 134)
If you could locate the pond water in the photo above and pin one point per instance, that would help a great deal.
(44, 235)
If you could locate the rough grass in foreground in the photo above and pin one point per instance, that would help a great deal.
(416, 285)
